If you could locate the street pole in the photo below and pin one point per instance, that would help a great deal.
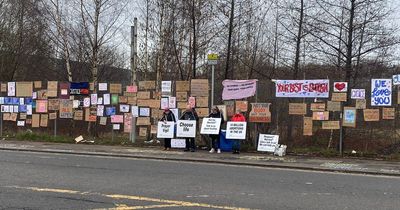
(341, 134)
(1, 124)
(134, 71)
(212, 85)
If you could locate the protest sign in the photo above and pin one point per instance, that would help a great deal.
(3, 87)
(44, 119)
(388, 113)
(349, 117)
(124, 108)
(37, 84)
(164, 103)
(24, 89)
(317, 107)
(64, 90)
(143, 95)
(103, 121)
(114, 99)
(340, 97)
(210, 126)
(100, 110)
(91, 114)
(183, 86)
(143, 121)
(165, 130)
(110, 111)
(106, 99)
(172, 102)
(143, 132)
(178, 143)
(307, 126)
(202, 112)
(41, 106)
(181, 96)
(115, 88)
(117, 119)
(127, 122)
(116, 127)
(331, 125)
(166, 88)
(371, 115)
(122, 99)
(297, 109)
(131, 89)
(320, 116)
(186, 128)
(135, 111)
(381, 92)
(238, 89)
(52, 88)
(147, 85)
(21, 123)
(93, 99)
(78, 115)
(340, 87)
(199, 87)
(11, 89)
(103, 87)
(396, 79)
(86, 102)
(259, 113)
(35, 120)
(144, 112)
(241, 106)
(192, 102)
(302, 88)
(131, 100)
(267, 143)
(236, 130)
(357, 93)
(53, 116)
(361, 103)
(201, 101)
(79, 88)
(66, 110)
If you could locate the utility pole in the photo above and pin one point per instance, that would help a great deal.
(134, 71)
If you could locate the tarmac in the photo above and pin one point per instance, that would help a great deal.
(266, 160)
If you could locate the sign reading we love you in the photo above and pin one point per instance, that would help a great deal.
(381, 92)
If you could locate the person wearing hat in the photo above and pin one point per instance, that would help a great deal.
(190, 114)
(168, 116)
(238, 117)
(215, 113)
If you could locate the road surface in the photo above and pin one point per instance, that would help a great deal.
(58, 181)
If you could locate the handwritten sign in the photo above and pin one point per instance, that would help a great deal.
(259, 113)
(388, 113)
(165, 130)
(236, 130)
(181, 96)
(238, 89)
(317, 107)
(341, 97)
(357, 93)
(396, 79)
(66, 109)
(186, 128)
(361, 103)
(302, 88)
(381, 92)
(320, 116)
(267, 143)
(330, 125)
(166, 88)
(199, 87)
(307, 126)
(297, 109)
(210, 126)
(349, 117)
(242, 106)
(183, 86)
(371, 115)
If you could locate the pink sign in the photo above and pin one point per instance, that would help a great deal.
(131, 89)
(239, 89)
(302, 88)
(192, 102)
(117, 119)
(127, 122)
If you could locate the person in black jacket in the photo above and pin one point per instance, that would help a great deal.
(215, 113)
(168, 116)
(190, 114)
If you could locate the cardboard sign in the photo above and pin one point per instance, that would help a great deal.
(103, 121)
(230, 108)
(52, 88)
(181, 96)
(53, 104)
(341, 97)
(192, 102)
(131, 89)
(381, 92)
(22, 116)
(186, 128)
(166, 88)
(334, 106)
(371, 115)
(147, 85)
(302, 88)
(3, 87)
(152, 103)
(24, 89)
(37, 84)
(35, 120)
(320, 116)
(172, 102)
(317, 107)
(183, 86)
(53, 116)
(340, 87)
(41, 106)
(210, 126)
(202, 112)
(267, 143)
(388, 113)
(307, 126)
(259, 113)
(66, 110)
(165, 130)
(349, 117)
(182, 105)
(357, 93)
(122, 99)
(143, 132)
(199, 87)
(44, 119)
(242, 106)
(143, 121)
(331, 125)
(236, 130)
(78, 115)
(127, 122)
(297, 109)
(143, 95)
(115, 88)
(202, 102)
(361, 104)
(131, 100)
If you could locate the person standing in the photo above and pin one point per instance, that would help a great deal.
(238, 117)
(190, 114)
(168, 116)
(216, 113)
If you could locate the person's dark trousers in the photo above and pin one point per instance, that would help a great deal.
(167, 143)
(236, 146)
(214, 141)
(190, 144)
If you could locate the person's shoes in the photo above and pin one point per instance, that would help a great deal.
(186, 150)
(192, 150)
(212, 150)
(168, 149)
(219, 151)
(165, 149)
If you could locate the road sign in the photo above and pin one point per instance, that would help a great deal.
(212, 59)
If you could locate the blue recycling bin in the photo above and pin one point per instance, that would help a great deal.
(225, 144)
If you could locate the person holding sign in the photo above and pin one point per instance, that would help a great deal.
(215, 113)
(238, 117)
(190, 114)
(168, 116)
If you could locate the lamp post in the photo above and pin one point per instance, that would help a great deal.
(212, 59)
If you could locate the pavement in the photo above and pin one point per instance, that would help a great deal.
(343, 165)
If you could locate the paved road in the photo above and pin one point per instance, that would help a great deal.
(52, 181)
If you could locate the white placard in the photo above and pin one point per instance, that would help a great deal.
(124, 108)
(236, 130)
(357, 93)
(75, 104)
(340, 87)
(28, 109)
(21, 101)
(86, 102)
(135, 111)
(165, 130)
(11, 89)
(100, 100)
(210, 126)
(166, 88)
(1, 100)
(20, 123)
(102, 86)
(93, 99)
(116, 126)
(186, 128)
(144, 112)
(267, 143)
(172, 102)
(178, 143)
(164, 103)
(100, 110)
(106, 99)
(381, 92)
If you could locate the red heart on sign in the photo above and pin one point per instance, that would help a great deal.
(340, 86)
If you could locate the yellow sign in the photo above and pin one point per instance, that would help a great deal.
(212, 57)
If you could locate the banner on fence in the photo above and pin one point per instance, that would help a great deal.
(381, 92)
(165, 130)
(236, 130)
(210, 126)
(186, 129)
(302, 88)
(267, 143)
(238, 89)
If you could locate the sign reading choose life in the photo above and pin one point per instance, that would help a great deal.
(186, 129)
(165, 130)
(210, 126)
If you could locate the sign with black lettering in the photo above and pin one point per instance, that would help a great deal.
(210, 126)
(165, 130)
(267, 143)
(236, 130)
(186, 128)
